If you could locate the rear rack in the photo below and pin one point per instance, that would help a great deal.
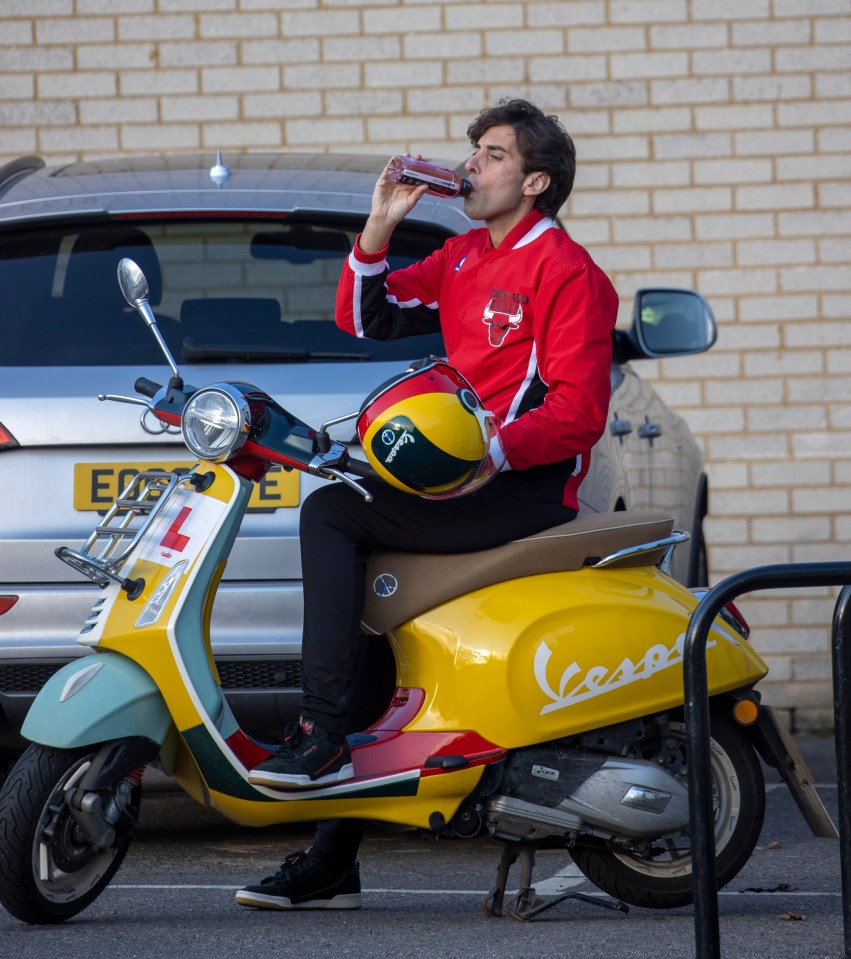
(123, 526)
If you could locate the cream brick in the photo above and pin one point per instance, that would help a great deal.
(483, 69)
(447, 99)
(693, 255)
(676, 145)
(834, 194)
(754, 336)
(774, 142)
(639, 11)
(36, 113)
(837, 139)
(836, 277)
(239, 79)
(130, 110)
(690, 36)
(737, 558)
(792, 8)
(792, 417)
(64, 139)
(734, 117)
(481, 16)
(813, 223)
(38, 8)
(321, 23)
(114, 7)
(825, 168)
(608, 94)
(200, 108)
(839, 362)
(613, 148)
(363, 103)
(179, 6)
(778, 308)
(16, 142)
(690, 91)
(778, 252)
(16, 32)
(833, 85)
(537, 43)
(361, 49)
(605, 39)
(242, 135)
(35, 59)
(733, 170)
(231, 25)
(652, 230)
(737, 281)
(809, 114)
(791, 475)
(18, 87)
(634, 66)
(727, 476)
(834, 306)
(197, 54)
(420, 74)
(716, 419)
(819, 57)
(793, 529)
(159, 27)
(697, 199)
(88, 84)
(610, 203)
(158, 82)
(70, 31)
(670, 173)
(280, 52)
(566, 13)
(407, 129)
(344, 76)
(729, 9)
(787, 196)
(116, 56)
(387, 20)
(655, 120)
(148, 137)
(322, 131)
(776, 33)
(419, 46)
(732, 531)
(730, 62)
(710, 227)
(773, 88)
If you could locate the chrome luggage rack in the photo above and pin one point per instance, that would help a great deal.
(123, 526)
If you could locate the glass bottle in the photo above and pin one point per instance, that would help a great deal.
(440, 181)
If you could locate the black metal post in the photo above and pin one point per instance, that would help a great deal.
(841, 655)
(702, 824)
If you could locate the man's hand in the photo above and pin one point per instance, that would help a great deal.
(391, 203)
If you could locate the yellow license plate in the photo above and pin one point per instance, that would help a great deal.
(98, 485)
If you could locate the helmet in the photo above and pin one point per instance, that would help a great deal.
(426, 432)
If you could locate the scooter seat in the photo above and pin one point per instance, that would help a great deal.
(402, 585)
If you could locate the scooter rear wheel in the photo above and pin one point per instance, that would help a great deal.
(49, 869)
(658, 875)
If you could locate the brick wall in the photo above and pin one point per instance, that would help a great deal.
(713, 140)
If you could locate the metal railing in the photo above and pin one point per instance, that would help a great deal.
(702, 826)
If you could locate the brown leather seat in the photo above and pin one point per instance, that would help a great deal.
(402, 585)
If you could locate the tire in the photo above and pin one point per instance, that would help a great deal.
(658, 874)
(49, 870)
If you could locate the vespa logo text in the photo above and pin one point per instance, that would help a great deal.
(406, 437)
(599, 680)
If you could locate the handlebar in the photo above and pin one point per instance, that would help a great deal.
(147, 387)
(359, 468)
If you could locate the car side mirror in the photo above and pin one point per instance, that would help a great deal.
(671, 322)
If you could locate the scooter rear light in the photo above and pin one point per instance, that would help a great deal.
(7, 441)
(746, 712)
(6, 603)
(733, 617)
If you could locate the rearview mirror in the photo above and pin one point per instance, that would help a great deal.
(672, 322)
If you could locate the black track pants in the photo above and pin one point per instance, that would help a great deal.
(339, 530)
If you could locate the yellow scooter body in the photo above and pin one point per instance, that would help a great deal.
(509, 665)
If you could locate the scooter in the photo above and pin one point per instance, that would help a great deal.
(538, 694)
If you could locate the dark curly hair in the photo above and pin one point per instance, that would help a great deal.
(543, 143)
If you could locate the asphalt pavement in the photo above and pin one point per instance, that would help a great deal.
(422, 897)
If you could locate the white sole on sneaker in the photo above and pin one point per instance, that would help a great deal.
(349, 900)
(259, 777)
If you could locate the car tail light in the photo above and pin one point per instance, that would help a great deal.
(7, 441)
(6, 603)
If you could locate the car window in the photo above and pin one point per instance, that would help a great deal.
(221, 289)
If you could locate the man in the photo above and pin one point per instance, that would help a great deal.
(526, 317)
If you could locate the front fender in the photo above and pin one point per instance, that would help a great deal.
(94, 699)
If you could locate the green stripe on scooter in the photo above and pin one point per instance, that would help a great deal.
(218, 773)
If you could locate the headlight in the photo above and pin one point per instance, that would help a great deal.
(216, 422)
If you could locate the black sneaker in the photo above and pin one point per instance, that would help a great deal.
(304, 881)
(306, 758)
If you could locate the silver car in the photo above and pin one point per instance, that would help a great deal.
(242, 258)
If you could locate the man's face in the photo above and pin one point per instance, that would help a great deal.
(496, 171)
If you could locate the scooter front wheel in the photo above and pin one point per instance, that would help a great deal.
(49, 868)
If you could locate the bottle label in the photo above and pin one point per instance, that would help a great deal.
(415, 178)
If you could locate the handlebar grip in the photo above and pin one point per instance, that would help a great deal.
(147, 387)
(359, 468)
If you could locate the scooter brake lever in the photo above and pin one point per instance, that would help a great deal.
(330, 471)
(135, 400)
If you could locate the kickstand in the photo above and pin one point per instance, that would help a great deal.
(526, 905)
